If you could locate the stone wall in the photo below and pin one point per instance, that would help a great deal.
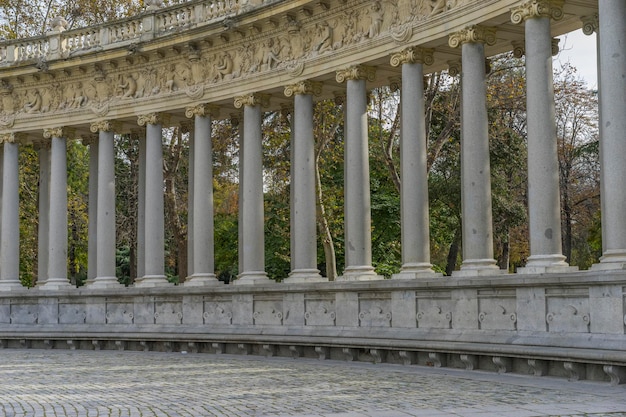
(569, 325)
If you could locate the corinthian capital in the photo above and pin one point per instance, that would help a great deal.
(7, 138)
(357, 72)
(304, 87)
(149, 119)
(255, 99)
(202, 110)
(591, 24)
(55, 132)
(413, 55)
(103, 126)
(473, 34)
(537, 8)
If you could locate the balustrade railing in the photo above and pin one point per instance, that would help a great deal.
(164, 21)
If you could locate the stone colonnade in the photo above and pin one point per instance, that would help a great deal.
(478, 258)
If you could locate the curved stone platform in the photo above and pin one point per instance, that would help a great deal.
(133, 384)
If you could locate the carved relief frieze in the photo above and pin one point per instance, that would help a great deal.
(284, 44)
(218, 312)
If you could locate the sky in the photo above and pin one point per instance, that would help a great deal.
(580, 50)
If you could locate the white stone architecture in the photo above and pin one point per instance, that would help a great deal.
(193, 63)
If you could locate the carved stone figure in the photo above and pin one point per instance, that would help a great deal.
(225, 66)
(376, 16)
(127, 86)
(32, 102)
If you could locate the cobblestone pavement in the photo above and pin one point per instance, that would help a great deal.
(139, 384)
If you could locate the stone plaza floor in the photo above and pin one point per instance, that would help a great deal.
(145, 384)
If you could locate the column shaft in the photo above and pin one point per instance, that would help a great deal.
(44, 211)
(154, 240)
(475, 168)
(612, 65)
(544, 211)
(303, 222)
(201, 188)
(57, 246)
(105, 227)
(141, 208)
(414, 186)
(252, 268)
(10, 238)
(92, 211)
(357, 210)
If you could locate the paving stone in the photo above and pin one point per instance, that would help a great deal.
(44, 383)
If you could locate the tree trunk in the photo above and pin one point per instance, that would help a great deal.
(453, 253)
(503, 259)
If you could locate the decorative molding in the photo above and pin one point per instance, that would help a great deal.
(536, 9)
(356, 72)
(304, 87)
(413, 55)
(104, 126)
(591, 24)
(255, 99)
(473, 34)
(202, 110)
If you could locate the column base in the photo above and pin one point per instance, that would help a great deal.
(152, 281)
(55, 284)
(359, 273)
(416, 270)
(103, 282)
(253, 278)
(199, 280)
(11, 286)
(546, 264)
(479, 268)
(611, 260)
(304, 275)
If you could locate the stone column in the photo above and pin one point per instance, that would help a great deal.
(612, 84)
(43, 149)
(475, 169)
(57, 232)
(141, 203)
(544, 209)
(188, 128)
(303, 214)
(201, 196)
(92, 209)
(252, 245)
(10, 218)
(357, 217)
(154, 211)
(414, 176)
(105, 216)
